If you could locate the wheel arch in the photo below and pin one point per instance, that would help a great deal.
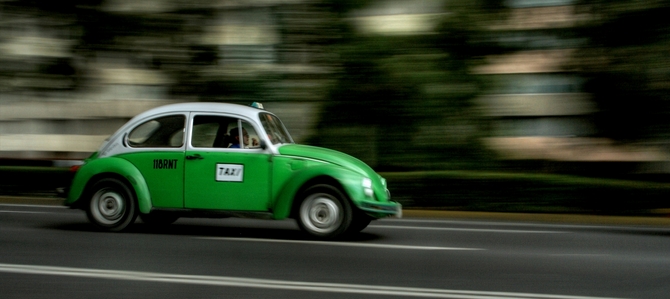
(115, 168)
(315, 181)
(88, 189)
(342, 179)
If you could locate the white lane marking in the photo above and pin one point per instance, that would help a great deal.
(471, 222)
(481, 230)
(388, 246)
(580, 254)
(274, 284)
(24, 212)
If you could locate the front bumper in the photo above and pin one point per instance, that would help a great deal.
(381, 209)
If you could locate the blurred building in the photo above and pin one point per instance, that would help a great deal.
(42, 115)
(538, 109)
(60, 97)
(393, 17)
(60, 100)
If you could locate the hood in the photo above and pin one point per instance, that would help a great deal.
(328, 155)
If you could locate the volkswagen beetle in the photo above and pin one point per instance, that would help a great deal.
(224, 160)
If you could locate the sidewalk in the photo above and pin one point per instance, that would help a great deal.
(662, 220)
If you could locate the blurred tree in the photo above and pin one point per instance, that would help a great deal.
(398, 100)
(404, 101)
(627, 66)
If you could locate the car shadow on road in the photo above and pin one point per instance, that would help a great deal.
(219, 230)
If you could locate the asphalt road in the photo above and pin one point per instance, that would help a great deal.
(53, 252)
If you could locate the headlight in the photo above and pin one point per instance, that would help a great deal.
(367, 187)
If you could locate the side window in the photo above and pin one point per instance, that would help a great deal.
(211, 131)
(251, 138)
(167, 131)
(222, 132)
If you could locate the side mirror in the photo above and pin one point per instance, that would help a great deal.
(263, 144)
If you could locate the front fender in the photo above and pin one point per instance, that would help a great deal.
(349, 180)
(109, 167)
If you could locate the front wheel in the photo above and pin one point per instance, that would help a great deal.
(359, 223)
(112, 205)
(324, 212)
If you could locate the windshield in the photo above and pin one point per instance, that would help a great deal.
(275, 129)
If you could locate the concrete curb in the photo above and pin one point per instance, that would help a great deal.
(662, 220)
(25, 200)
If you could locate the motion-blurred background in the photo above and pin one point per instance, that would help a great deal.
(506, 103)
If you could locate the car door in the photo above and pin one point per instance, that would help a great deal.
(157, 151)
(220, 177)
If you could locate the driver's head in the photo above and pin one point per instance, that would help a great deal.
(234, 132)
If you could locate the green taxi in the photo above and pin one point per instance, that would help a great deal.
(188, 160)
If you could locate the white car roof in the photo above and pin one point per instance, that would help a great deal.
(201, 107)
(108, 147)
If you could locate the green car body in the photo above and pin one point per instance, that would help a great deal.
(186, 160)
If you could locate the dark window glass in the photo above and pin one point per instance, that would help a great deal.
(222, 132)
(211, 131)
(167, 131)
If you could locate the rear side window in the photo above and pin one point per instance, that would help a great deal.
(166, 131)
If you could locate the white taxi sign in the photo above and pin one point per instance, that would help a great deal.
(229, 172)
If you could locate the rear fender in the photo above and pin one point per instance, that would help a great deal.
(109, 167)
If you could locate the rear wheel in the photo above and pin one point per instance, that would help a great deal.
(324, 212)
(112, 205)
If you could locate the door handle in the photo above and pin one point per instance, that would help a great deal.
(194, 157)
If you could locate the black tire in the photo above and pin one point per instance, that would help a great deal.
(112, 205)
(359, 223)
(158, 219)
(324, 212)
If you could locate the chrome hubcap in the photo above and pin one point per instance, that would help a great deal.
(321, 214)
(108, 206)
